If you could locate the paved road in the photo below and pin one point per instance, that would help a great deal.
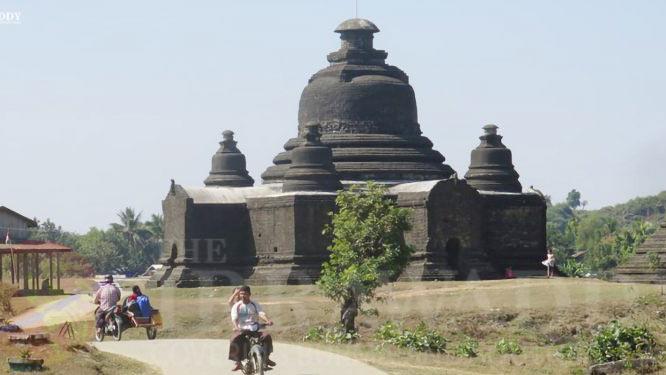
(210, 357)
(68, 309)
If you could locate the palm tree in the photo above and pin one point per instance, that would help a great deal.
(156, 227)
(130, 227)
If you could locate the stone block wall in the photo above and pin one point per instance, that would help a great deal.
(515, 230)
(287, 231)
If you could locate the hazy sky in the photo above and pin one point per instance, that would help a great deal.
(101, 103)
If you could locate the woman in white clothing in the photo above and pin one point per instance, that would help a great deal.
(549, 263)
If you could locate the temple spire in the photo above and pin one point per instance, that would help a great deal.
(228, 165)
(491, 167)
(312, 165)
(356, 47)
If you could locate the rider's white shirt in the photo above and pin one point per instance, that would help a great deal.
(246, 315)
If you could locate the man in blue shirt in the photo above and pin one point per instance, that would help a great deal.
(245, 316)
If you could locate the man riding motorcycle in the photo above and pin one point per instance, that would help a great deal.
(107, 296)
(245, 315)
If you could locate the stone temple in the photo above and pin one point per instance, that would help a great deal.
(357, 121)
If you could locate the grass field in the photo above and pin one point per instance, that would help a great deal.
(541, 315)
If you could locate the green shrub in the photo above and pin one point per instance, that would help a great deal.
(420, 339)
(387, 331)
(567, 352)
(573, 268)
(505, 346)
(468, 348)
(615, 342)
(331, 335)
(6, 293)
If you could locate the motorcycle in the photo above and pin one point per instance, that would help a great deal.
(112, 325)
(255, 362)
(119, 320)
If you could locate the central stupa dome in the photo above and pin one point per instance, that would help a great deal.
(367, 112)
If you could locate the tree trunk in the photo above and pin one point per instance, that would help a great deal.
(348, 314)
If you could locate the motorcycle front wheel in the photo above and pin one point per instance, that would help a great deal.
(258, 359)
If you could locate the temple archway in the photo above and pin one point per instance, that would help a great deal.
(452, 252)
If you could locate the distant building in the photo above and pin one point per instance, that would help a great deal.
(357, 121)
(16, 224)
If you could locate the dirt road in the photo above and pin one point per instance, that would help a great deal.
(68, 309)
(210, 357)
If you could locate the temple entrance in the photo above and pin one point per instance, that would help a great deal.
(452, 252)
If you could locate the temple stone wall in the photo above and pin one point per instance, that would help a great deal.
(204, 244)
(515, 230)
(174, 208)
(447, 232)
(287, 232)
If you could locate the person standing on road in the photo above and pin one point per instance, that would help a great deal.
(107, 296)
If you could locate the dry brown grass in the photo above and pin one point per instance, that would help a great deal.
(542, 315)
(63, 355)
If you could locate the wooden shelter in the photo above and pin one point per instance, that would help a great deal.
(24, 260)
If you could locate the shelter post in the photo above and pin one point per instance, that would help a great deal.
(32, 269)
(58, 269)
(24, 258)
(50, 270)
(0, 267)
(37, 271)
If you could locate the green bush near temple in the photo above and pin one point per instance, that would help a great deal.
(616, 342)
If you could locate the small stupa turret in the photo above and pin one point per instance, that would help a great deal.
(491, 168)
(311, 167)
(228, 165)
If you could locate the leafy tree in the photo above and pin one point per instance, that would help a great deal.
(368, 248)
(100, 250)
(49, 231)
(573, 199)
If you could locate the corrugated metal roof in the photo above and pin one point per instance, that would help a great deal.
(238, 195)
(212, 194)
(30, 222)
(414, 187)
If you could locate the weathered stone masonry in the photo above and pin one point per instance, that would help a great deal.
(357, 121)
